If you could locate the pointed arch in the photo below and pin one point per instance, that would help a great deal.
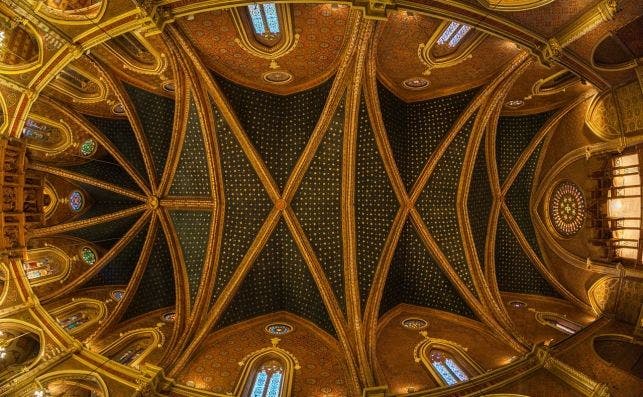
(46, 265)
(13, 330)
(558, 322)
(137, 54)
(81, 379)
(80, 85)
(79, 314)
(265, 365)
(134, 346)
(446, 361)
(46, 135)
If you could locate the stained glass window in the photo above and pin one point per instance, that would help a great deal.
(118, 294)
(265, 20)
(453, 34)
(88, 255)
(73, 321)
(76, 201)
(88, 147)
(268, 381)
(447, 367)
(169, 317)
(278, 328)
(39, 268)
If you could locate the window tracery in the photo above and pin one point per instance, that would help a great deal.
(267, 372)
(453, 34)
(446, 361)
(133, 347)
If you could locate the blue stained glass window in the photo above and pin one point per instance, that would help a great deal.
(260, 384)
(453, 34)
(457, 371)
(275, 385)
(448, 32)
(76, 201)
(444, 373)
(455, 40)
(257, 18)
(271, 17)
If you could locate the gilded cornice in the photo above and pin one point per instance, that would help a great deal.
(108, 256)
(121, 307)
(70, 175)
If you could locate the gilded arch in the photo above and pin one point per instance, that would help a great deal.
(68, 316)
(557, 322)
(513, 5)
(600, 294)
(118, 347)
(137, 54)
(88, 380)
(421, 354)
(60, 261)
(19, 327)
(58, 137)
(253, 361)
(80, 85)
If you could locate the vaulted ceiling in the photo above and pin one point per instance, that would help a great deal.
(336, 195)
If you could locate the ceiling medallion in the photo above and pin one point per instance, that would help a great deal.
(416, 83)
(515, 103)
(169, 317)
(88, 147)
(168, 86)
(567, 208)
(517, 304)
(414, 323)
(278, 328)
(88, 255)
(277, 77)
(118, 294)
(118, 109)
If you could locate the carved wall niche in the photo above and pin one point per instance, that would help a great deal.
(81, 86)
(79, 315)
(133, 347)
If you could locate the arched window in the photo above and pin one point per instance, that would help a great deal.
(453, 34)
(447, 362)
(267, 373)
(79, 315)
(265, 20)
(447, 367)
(269, 380)
(134, 346)
(558, 322)
(45, 265)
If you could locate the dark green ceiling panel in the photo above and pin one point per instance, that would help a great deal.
(479, 202)
(513, 135)
(106, 169)
(415, 278)
(278, 125)
(247, 204)
(104, 202)
(193, 229)
(120, 269)
(518, 198)
(416, 129)
(514, 271)
(156, 114)
(279, 280)
(156, 289)
(375, 204)
(106, 234)
(437, 204)
(121, 135)
(192, 177)
(317, 204)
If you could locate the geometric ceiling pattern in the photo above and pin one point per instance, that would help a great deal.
(225, 200)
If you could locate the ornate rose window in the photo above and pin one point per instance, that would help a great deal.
(567, 208)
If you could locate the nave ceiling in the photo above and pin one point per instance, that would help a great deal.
(334, 171)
